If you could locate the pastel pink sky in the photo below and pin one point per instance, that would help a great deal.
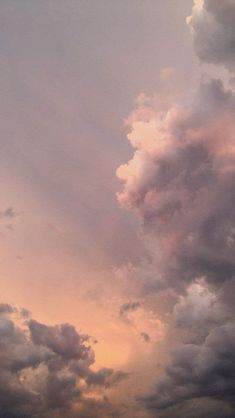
(81, 84)
(70, 75)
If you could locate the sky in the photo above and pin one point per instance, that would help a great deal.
(117, 227)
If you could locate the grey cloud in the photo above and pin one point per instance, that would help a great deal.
(106, 377)
(145, 336)
(141, 279)
(199, 371)
(41, 369)
(200, 308)
(8, 213)
(181, 183)
(6, 308)
(129, 307)
(8, 216)
(25, 313)
(184, 191)
(63, 340)
(212, 27)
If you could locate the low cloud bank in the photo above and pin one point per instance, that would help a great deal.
(45, 371)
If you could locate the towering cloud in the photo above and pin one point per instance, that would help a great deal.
(181, 183)
(172, 297)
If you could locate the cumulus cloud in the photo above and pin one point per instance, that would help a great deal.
(197, 306)
(6, 308)
(180, 182)
(45, 371)
(200, 371)
(212, 28)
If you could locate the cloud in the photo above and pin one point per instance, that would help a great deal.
(46, 370)
(140, 279)
(212, 27)
(129, 307)
(6, 308)
(145, 336)
(139, 318)
(106, 377)
(8, 213)
(199, 371)
(180, 182)
(62, 340)
(196, 306)
(201, 309)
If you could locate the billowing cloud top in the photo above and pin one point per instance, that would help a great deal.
(181, 183)
(212, 27)
(181, 179)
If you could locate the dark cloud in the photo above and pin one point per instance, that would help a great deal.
(200, 309)
(62, 340)
(212, 27)
(6, 308)
(9, 213)
(181, 182)
(200, 371)
(25, 313)
(145, 336)
(8, 216)
(106, 377)
(129, 307)
(42, 368)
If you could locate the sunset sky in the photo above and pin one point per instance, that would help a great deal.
(117, 222)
